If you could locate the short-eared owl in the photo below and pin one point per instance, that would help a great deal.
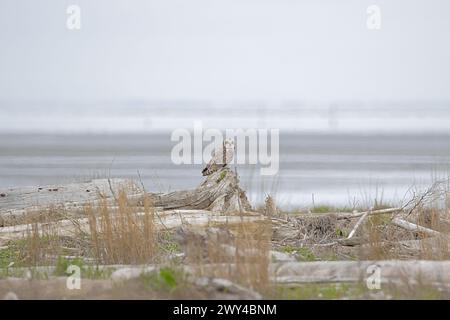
(220, 157)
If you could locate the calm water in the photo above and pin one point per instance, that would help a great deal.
(335, 168)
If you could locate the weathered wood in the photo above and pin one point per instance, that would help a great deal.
(168, 219)
(427, 248)
(432, 243)
(414, 227)
(398, 272)
(41, 196)
(348, 215)
(358, 224)
(391, 271)
(118, 287)
(219, 192)
(351, 215)
(423, 272)
(19, 202)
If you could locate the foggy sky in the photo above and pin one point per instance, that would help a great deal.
(229, 49)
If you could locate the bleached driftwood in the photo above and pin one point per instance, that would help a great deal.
(348, 215)
(351, 215)
(358, 224)
(435, 243)
(399, 272)
(435, 248)
(41, 196)
(401, 223)
(18, 202)
(168, 219)
(219, 192)
(391, 271)
(414, 227)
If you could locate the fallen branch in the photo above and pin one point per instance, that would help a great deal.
(360, 221)
(168, 219)
(414, 227)
(347, 215)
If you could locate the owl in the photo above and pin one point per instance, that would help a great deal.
(220, 157)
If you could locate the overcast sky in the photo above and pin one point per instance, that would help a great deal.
(229, 49)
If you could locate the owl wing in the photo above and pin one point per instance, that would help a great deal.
(229, 155)
(223, 156)
(218, 156)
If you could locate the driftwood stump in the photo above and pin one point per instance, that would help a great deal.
(219, 192)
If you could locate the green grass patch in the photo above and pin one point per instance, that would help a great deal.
(95, 273)
(322, 209)
(330, 291)
(303, 253)
(326, 291)
(167, 279)
(341, 233)
(327, 209)
(14, 252)
(8, 255)
(167, 244)
(170, 247)
(63, 263)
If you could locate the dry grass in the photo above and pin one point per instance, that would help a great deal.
(238, 252)
(386, 241)
(123, 237)
(118, 234)
(41, 244)
(252, 242)
(121, 233)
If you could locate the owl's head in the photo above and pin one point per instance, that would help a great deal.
(229, 143)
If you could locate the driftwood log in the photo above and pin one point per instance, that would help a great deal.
(413, 272)
(168, 219)
(219, 192)
(391, 271)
